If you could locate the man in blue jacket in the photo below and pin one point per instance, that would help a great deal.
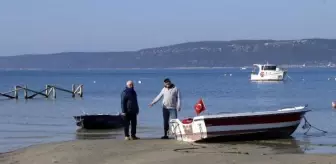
(130, 110)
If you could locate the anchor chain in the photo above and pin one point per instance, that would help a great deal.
(309, 126)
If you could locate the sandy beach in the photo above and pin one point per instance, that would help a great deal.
(111, 151)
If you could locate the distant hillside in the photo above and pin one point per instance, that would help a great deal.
(191, 54)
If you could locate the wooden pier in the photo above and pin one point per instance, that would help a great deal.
(49, 91)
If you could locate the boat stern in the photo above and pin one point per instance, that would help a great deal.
(79, 121)
(99, 121)
(189, 129)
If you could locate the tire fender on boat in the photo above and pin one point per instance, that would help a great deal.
(262, 74)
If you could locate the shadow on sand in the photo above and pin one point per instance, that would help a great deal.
(282, 145)
(85, 134)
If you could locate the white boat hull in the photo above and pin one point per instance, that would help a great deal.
(281, 123)
(269, 76)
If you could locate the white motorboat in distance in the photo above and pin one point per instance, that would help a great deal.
(268, 72)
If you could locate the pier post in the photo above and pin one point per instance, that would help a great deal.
(25, 92)
(47, 90)
(78, 90)
(16, 94)
(54, 92)
(81, 91)
(73, 90)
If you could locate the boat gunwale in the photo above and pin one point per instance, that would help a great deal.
(258, 113)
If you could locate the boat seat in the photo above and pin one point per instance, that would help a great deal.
(187, 120)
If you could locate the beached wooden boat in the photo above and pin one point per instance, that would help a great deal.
(266, 124)
(99, 121)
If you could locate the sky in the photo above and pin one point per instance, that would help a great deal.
(52, 26)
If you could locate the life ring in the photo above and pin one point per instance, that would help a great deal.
(262, 74)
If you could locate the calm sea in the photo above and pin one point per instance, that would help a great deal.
(26, 122)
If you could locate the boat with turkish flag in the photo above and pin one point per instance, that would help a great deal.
(247, 125)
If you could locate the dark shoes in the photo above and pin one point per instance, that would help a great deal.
(132, 138)
(135, 138)
(164, 137)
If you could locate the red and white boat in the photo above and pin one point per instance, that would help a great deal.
(270, 124)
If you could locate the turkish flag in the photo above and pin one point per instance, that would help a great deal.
(199, 106)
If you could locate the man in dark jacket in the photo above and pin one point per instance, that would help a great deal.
(130, 110)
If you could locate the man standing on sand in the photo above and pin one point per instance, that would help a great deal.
(130, 110)
(171, 104)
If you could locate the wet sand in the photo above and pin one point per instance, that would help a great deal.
(153, 151)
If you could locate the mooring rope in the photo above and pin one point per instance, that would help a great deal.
(289, 77)
(309, 126)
